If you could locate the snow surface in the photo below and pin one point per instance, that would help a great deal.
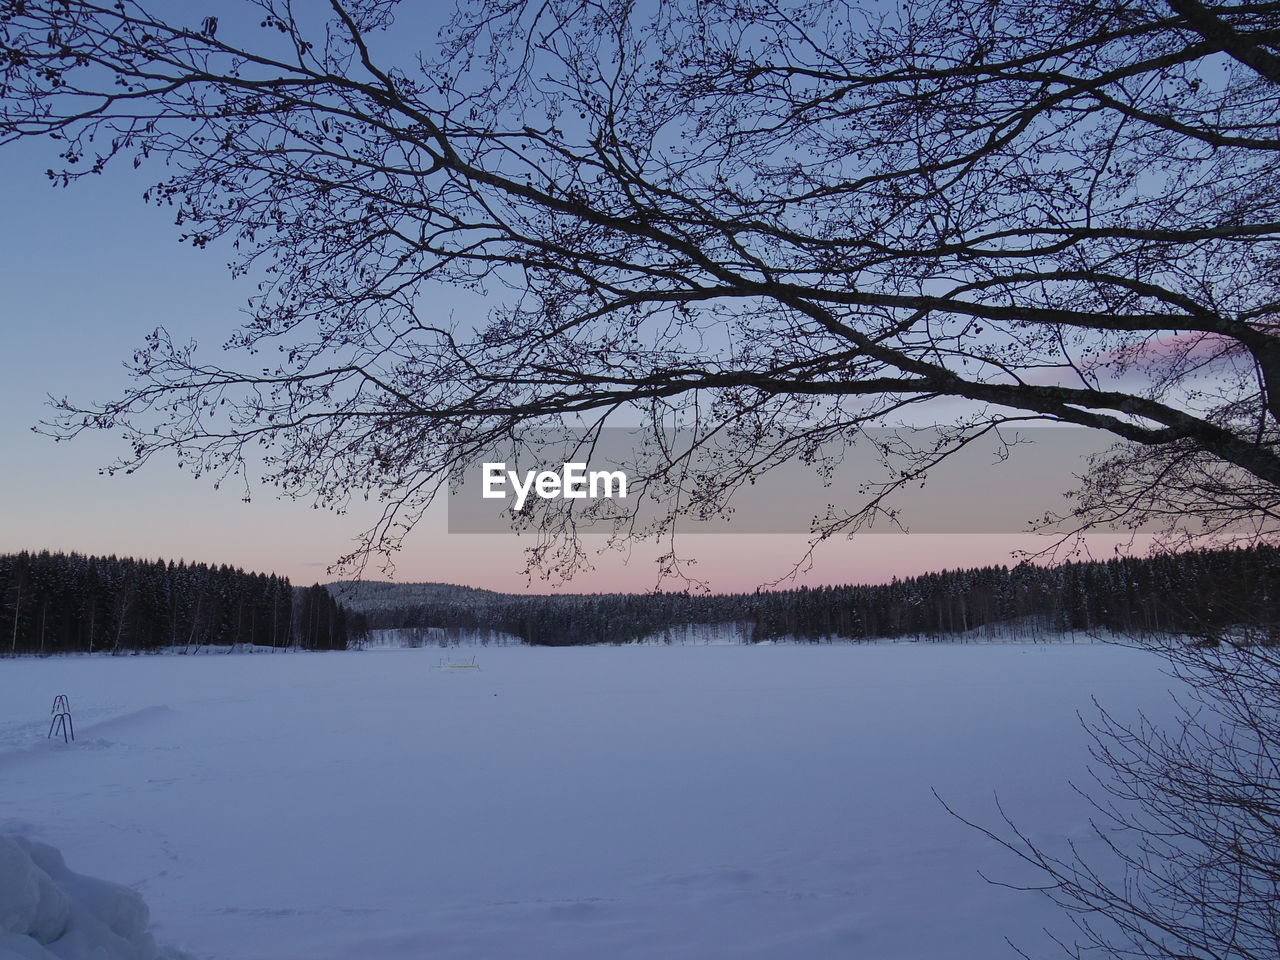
(700, 802)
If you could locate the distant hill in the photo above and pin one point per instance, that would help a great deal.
(369, 596)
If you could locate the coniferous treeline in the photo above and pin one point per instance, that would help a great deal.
(60, 603)
(55, 603)
(322, 622)
(1194, 592)
(1198, 592)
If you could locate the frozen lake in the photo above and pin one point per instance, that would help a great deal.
(603, 803)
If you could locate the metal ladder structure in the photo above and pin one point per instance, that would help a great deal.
(61, 722)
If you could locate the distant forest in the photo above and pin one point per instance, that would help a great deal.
(57, 603)
(1200, 593)
(66, 602)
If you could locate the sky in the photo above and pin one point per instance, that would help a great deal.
(89, 270)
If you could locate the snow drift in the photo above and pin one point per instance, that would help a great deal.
(47, 912)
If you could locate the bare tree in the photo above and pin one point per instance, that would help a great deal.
(1188, 816)
(770, 223)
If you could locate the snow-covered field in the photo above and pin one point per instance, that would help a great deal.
(694, 802)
